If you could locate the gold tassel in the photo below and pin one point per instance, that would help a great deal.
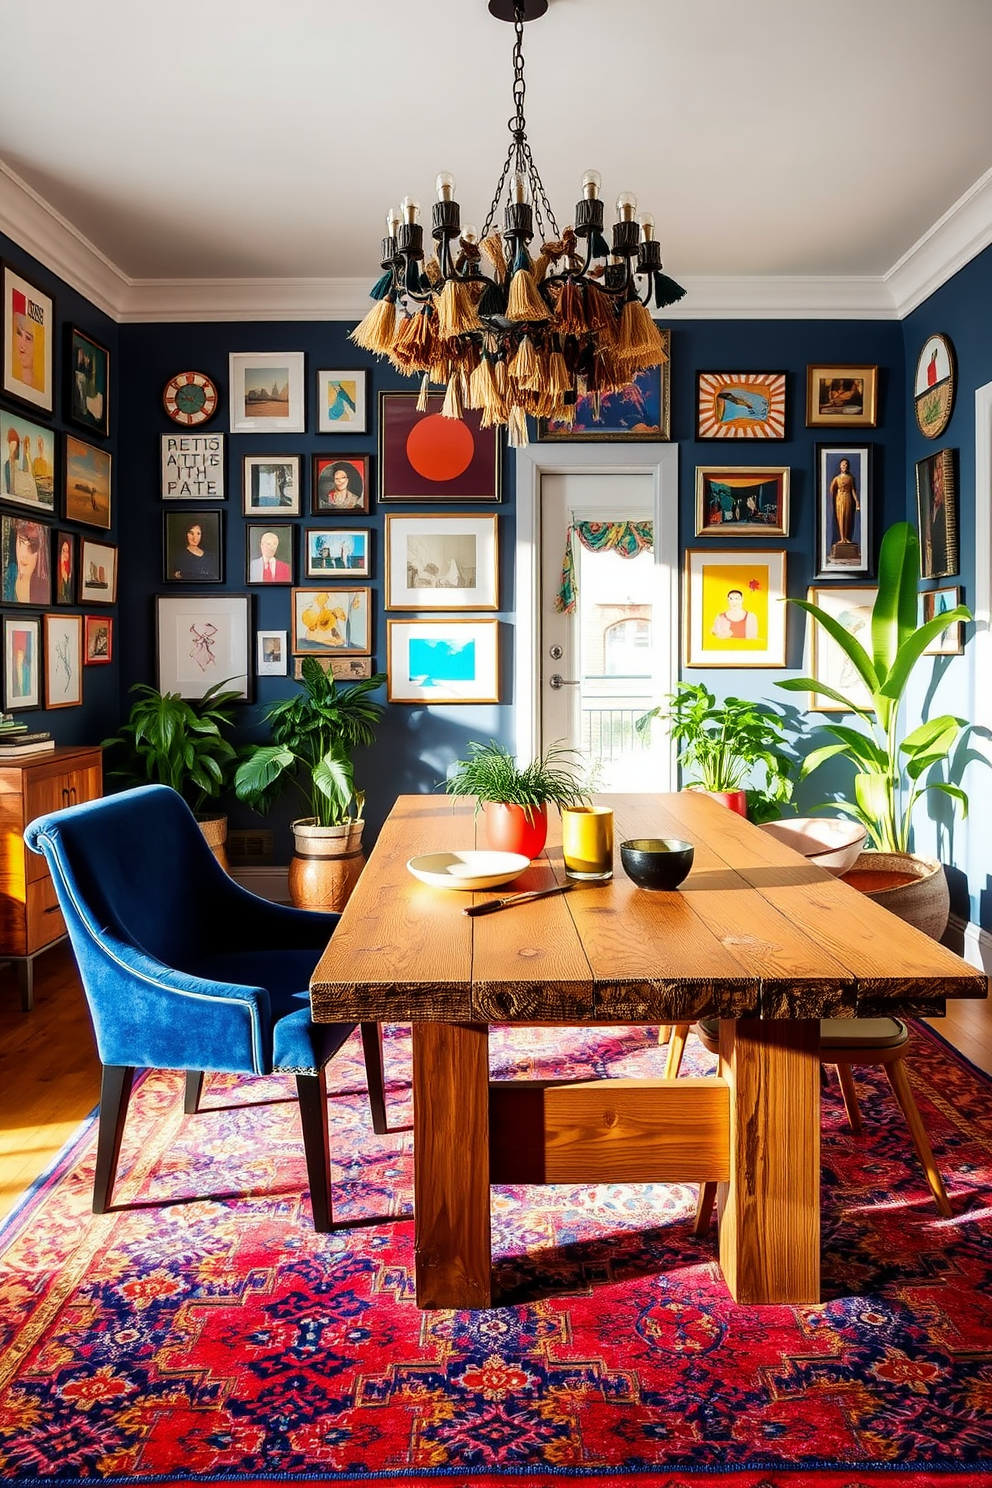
(523, 363)
(571, 316)
(492, 247)
(456, 311)
(404, 352)
(600, 316)
(517, 428)
(541, 265)
(483, 392)
(524, 301)
(558, 381)
(422, 396)
(452, 406)
(433, 271)
(377, 332)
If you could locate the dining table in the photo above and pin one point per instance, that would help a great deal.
(755, 936)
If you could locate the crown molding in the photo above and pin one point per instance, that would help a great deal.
(954, 240)
(162, 300)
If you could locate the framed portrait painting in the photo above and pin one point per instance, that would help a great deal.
(933, 386)
(731, 500)
(193, 547)
(21, 662)
(641, 410)
(270, 484)
(88, 402)
(28, 341)
(333, 551)
(192, 467)
(98, 640)
(201, 641)
(25, 561)
(934, 602)
(332, 622)
(271, 653)
(267, 393)
(732, 609)
(27, 474)
(740, 405)
(269, 552)
(442, 661)
(97, 573)
(829, 664)
(839, 396)
(427, 457)
(937, 507)
(441, 563)
(65, 567)
(63, 661)
(87, 483)
(340, 483)
(342, 398)
(843, 510)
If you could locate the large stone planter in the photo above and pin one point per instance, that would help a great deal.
(912, 887)
(326, 865)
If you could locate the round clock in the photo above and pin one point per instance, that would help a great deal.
(190, 398)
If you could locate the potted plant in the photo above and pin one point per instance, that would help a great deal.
(891, 768)
(313, 734)
(721, 745)
(515, 798)
(180, 742)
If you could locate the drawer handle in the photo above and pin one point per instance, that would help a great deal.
(51, 909)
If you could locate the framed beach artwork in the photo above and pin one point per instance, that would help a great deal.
(732, 609)
(441, 563)
(267, 392)
(192, 467)
(933, 386)
(21, 662)
(193, 547)
(25, 561)
(63, 661)
(28, 323)
(732, 500)
(88, 402)
(340, 483)
(269, 552)
(65, 567)
(937, 509)
(342, 398)
(98, 640)
(271, 653)
(331, 622)
(27, 474)
(641, 410)
(270, 484)
(934, 602)
(333, 551)
(851, 608)
(201, 641)
(740, 405)
(97, 573)
(843, 510)
(442, 661)
(87, 483)
(427, 457)
(839, 396)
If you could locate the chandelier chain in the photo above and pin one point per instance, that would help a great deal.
(519, 154)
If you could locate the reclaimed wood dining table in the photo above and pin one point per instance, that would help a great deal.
(755, 936)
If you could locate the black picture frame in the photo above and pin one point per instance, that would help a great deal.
(181, 562)
(937, 513)
(87, 392)
(835, 557)
(283, 556)
(65, 584)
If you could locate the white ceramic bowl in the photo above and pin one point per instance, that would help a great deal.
(831, 842)
(468, 870)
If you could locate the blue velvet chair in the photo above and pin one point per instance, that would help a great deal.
(183, 969)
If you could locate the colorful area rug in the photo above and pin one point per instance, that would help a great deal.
(202, 1332)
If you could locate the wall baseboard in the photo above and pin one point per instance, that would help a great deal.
(971, 942)
(270, 882)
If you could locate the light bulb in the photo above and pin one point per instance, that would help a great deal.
(410, 207)
(626, 206)
(445, 186)
(647, 226)
(392, 222)
(470, 232)
(518, 187)
(591, 182)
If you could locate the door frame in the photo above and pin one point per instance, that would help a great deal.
(533, 462)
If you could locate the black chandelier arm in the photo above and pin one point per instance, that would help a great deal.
(400, 269)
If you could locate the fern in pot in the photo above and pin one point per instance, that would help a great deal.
(515, 798)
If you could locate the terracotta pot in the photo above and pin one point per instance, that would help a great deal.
(214, 829)
(734, 800)
(912, 887)
(326, 865)
(515, 829)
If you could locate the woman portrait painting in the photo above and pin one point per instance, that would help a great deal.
(27, 577)
(65, 568)
(340, 485)
(192, 540)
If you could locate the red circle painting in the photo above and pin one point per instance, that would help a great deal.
(440, 449)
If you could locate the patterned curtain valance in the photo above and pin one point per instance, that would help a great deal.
(625, 538)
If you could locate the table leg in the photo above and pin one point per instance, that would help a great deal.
(451, 1164)
(770, 1209)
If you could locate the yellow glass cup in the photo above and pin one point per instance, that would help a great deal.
(587, 842)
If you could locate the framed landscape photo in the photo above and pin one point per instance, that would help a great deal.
(271, 484)
(97, 573)
(27, 474)
(333, 551)
(740, 405)
(28, 323)
(267, 392)
(342, 397)
(271, 653)
(732, 609)
(936, 602)
(427, 457)
(201, 641)
(731, 499)
(269, 552)
(839, 396)
(192, 467)
(641, 410)
(21, 662)
(193, 547)
(65, 567)
(843, 510)
(340, 483)
(332, 622)
(851, 608)
(63, 661)
(442, 661)
(88, 403)
(98, 640)
(25, 561)
(87, 483)
(441, 563)
(937, 507)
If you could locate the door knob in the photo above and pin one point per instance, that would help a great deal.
(556, 680)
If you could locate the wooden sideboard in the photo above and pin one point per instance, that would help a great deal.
(30, 920)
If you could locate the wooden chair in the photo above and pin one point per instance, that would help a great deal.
(843, 1042)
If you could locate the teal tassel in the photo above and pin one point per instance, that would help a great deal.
(522, 260)
(381, 287)
(666, 291)
(598, 246)
(413, 279)
(493, 300)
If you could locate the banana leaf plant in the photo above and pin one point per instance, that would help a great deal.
(881, 756)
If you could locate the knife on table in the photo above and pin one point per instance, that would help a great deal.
(511, 899)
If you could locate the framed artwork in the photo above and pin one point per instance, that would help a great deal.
(828, 663)
(63, 661)
(97, 573)
(269, 552)
(740, 405)
(342, 398)
(27, 476)
(838, 396)
(733, 614)
(87, 483)
(65, 567)
(332, 622)
(267, 395)
(202, 640)
(22, 662)
(193, 545)
(25, 555)
(936, 602)
(340, 483)
(731, 500)
(88, 402)
(193, 467)
(427, 457)
(28, 341)
(98, 639)
(641, 410)
(937, 507)
(270, 484)
(933, 386)
(441, 563)
(329, 550)
(342, 668)
(271, 653)
(442, 661)
(843, 510)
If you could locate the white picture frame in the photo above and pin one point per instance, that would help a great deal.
(63, 660)
(342, 401)
(271, 653)
(202, 640)
(442, 661)
(851, 607)
(21, 662)
(97, 572)
(28, 341)
(267, 392)
(733, 614)
(442, 563)
(270, 485)
(193, 467)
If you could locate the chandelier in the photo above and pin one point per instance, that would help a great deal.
(505, 332)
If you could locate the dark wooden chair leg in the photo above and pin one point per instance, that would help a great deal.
(115, 1092)
(704, 1208)
(312, 1091)
(374, 1073)
(194, 1089)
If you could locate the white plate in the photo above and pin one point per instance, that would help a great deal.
(468, 870)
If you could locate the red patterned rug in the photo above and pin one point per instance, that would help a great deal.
(203, 1333)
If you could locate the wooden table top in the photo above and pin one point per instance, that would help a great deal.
(754, 930)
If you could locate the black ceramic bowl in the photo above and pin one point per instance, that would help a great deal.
(656, 862)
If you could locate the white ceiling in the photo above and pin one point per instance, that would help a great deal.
(264, 139)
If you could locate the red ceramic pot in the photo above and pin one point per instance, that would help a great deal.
(514, 829)
(733, 800)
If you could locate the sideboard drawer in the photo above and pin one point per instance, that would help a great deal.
(44, 918)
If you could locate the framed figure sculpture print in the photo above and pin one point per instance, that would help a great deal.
(843, 503)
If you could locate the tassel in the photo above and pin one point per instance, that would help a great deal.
(522, 259)
(413, 281)
(666, 291)
(493, 300)
(638, 342)
(493, 248)
(525, 301)
(452, 407)
(517, 429)
(571, 316)
(430, 274)
(377, 331)
(483, 392)
(600, 316)
(598, 246)
(558, 381)
(455, 311)
(540, 267)
(422, 396)
(523, 364)
(382, 286)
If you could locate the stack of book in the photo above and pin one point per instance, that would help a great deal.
(17, 742)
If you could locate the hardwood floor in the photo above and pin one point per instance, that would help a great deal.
(50, 1074)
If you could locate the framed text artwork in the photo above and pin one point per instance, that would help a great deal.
(28, 323)
(427, 457)
(201, 641)
(442, 661)
(63, 661)
(843, 508)
(89, 383)
(733, 614)
(27, 474)
(87, 483)
(22, 662)
(267, 392)
(740, 405)
(641, 410)
(192, 467)
(829, 663)
(937, 508)
(841, 396)
(441, 563)
(933, 388)
(732, 500)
